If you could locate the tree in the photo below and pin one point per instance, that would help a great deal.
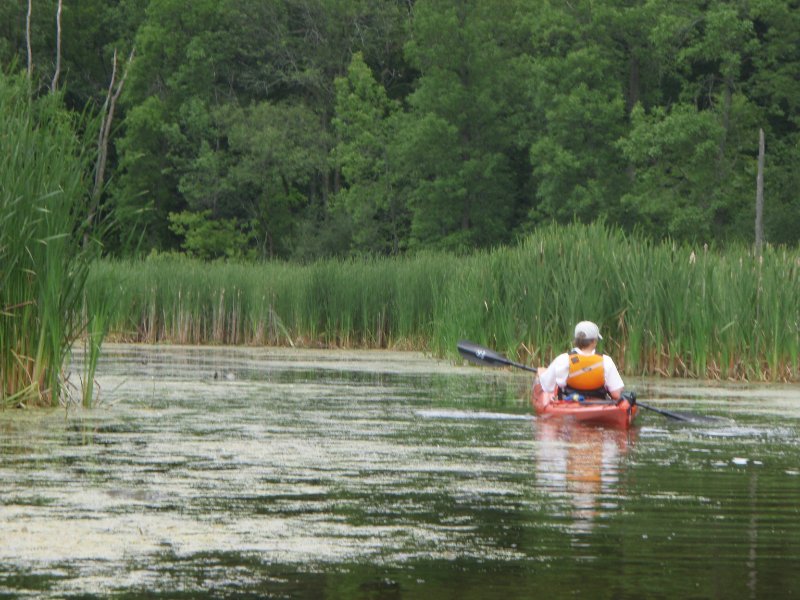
(198, 59)
(185, 68)
(207, 238)
(675, 155)
(695, 154)
(259, 170)
(365, 123)
(456, 143)
(588, 66)
(442, 123)
(93, 31)
(773, 84)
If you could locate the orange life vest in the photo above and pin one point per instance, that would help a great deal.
(586, 373)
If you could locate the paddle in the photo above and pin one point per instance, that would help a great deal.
(484, 356)
(631, 397)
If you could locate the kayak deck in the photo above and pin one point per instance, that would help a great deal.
(595, 412)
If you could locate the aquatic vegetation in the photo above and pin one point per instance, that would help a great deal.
(663, 308)
(45, 259)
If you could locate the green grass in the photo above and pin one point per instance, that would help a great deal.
(43, 261)
(663, 308)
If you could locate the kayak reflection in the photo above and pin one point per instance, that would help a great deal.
(581, 465)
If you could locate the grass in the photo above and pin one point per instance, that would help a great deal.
(663, 308)
(44, 262)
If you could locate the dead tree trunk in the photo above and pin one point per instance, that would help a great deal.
(54, 83)
(114, 91)
(760, 194)
(28, 39)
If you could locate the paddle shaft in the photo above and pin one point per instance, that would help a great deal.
(666, 413)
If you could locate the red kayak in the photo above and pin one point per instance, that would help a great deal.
(590, 411)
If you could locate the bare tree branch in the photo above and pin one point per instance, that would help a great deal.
(109, 106)
(99, 172)
(28, 38)
(54, 83)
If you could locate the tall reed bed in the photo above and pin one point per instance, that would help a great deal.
(663, 309)
(43, 262)
(374, 303)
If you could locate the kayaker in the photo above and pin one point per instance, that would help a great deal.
(582, 371)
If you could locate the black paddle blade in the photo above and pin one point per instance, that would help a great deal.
(484, 356)
(480, 355)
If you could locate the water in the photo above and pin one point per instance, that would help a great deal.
(208, 473)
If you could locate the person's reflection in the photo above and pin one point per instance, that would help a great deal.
(580, 464)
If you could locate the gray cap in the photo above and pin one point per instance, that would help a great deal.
(587, 330)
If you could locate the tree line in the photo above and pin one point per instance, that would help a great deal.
(301, 129)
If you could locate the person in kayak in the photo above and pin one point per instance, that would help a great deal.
(582, 371)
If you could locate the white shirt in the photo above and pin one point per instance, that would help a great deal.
(558, 371)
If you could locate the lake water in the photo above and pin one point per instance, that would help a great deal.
(271, 473)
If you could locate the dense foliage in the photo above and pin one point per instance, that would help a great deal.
(310, 128)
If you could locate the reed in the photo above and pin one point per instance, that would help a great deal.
(663, 308)
(44, 263)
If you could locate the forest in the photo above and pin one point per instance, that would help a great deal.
(306, 129)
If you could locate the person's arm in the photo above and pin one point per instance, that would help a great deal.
(548, 378)
(614, 384)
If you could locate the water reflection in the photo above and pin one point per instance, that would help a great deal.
(581, 464)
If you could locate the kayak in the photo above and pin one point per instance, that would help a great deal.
(547, 405)
(609, 413)
(590, 411)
